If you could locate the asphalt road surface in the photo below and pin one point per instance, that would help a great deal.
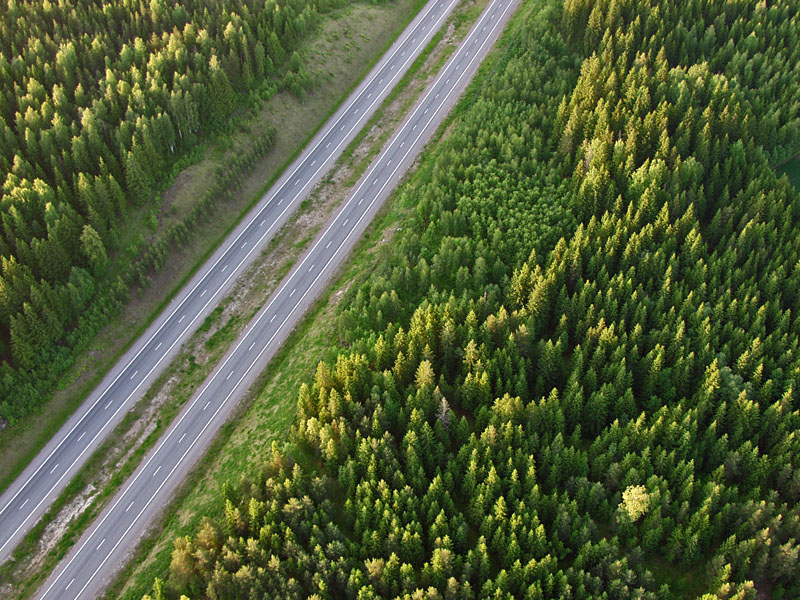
(103, 549)
(30, 495)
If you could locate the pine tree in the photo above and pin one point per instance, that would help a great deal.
(137, 177)
(93, 249)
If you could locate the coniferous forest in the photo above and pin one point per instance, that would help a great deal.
(98, 100)
(575, 374)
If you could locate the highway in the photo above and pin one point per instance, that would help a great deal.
(92, 563)
(30, 495)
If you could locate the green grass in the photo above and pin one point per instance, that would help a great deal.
(339, 73)
(683, 583)
(791, 168)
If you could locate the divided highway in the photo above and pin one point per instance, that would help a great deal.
(100, 552)
(27, 499)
